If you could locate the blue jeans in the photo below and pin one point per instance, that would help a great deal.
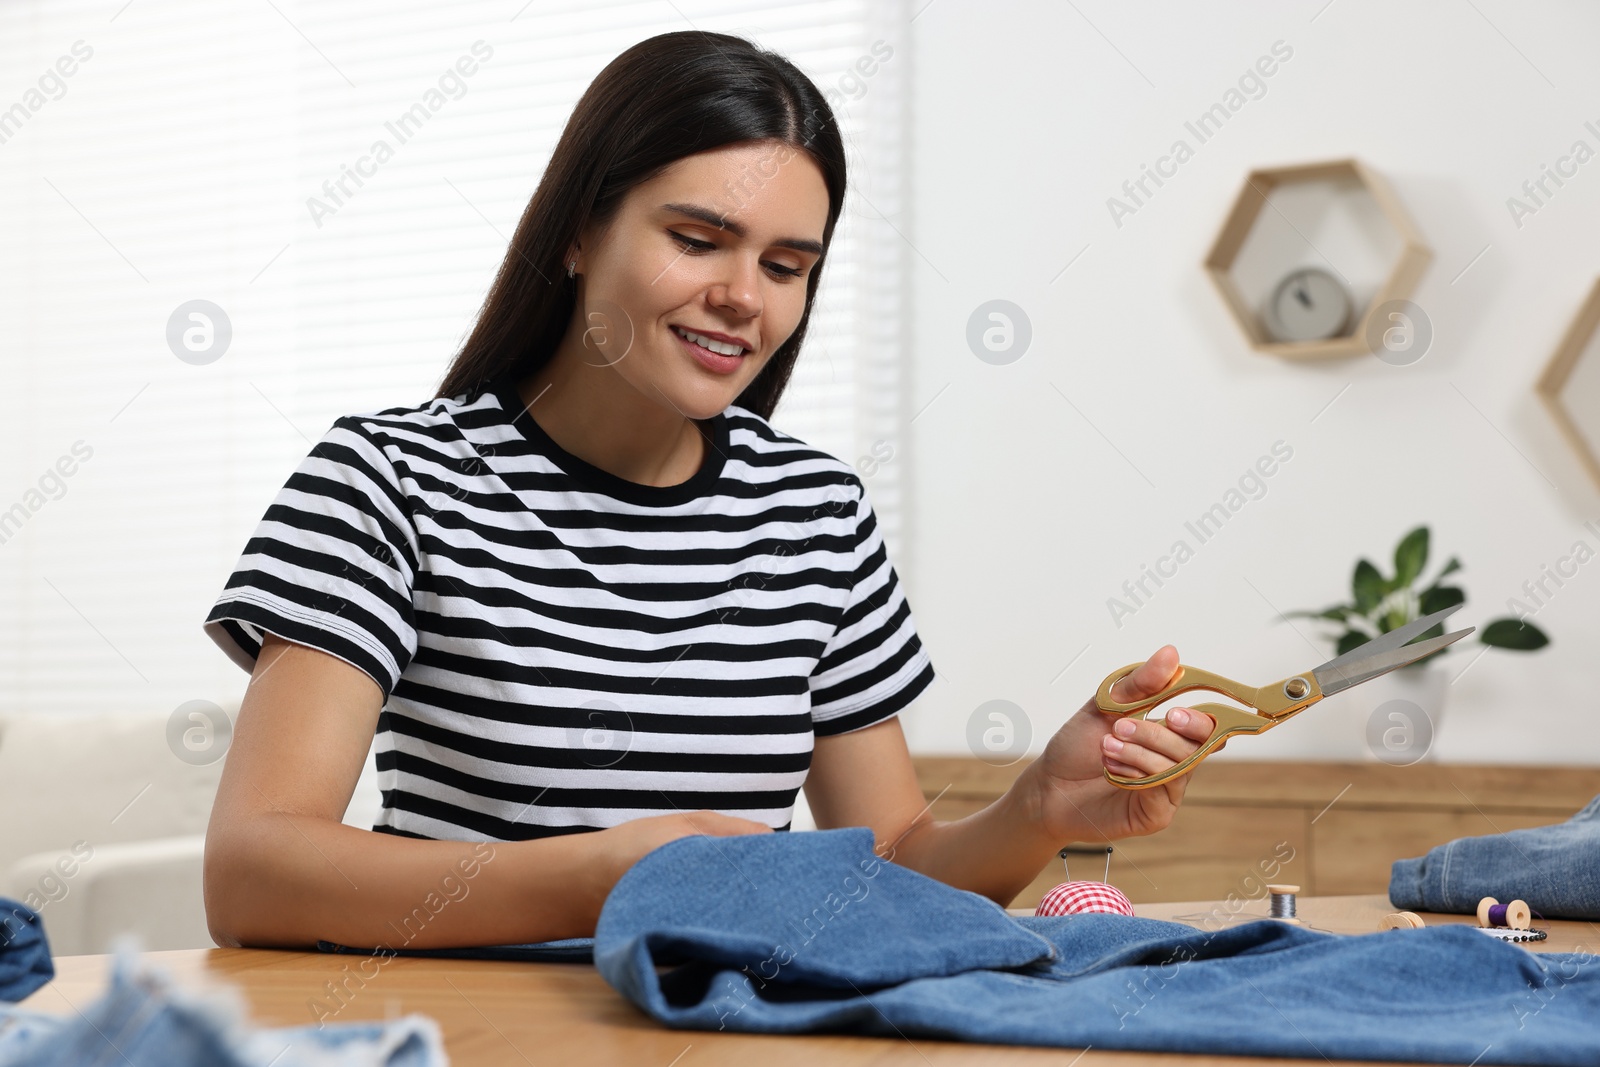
(24, 952)
(1556, 869)
(801, 933)
(142, 1020)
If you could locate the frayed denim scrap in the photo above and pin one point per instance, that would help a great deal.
(145, 1020)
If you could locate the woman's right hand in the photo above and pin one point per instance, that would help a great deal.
(627, 843)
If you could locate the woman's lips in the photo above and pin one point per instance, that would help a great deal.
(708, 359)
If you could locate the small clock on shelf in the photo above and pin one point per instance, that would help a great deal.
(1309, 304)
(1339, 213)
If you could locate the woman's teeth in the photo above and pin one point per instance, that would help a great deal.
(721, 348)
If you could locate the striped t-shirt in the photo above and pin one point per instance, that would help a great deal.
(562, 650)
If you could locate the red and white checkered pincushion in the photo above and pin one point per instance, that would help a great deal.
(1081, 898)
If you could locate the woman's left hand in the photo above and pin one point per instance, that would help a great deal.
(1074, 800)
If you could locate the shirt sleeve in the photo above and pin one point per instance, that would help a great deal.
(875, 664)
(331, 564)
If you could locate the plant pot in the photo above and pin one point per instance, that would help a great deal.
(1399, 713)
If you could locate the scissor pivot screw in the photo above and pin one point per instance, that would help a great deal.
(1296, 688)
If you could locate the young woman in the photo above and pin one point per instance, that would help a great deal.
(588, 598)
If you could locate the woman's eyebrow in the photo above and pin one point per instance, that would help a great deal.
(722, 222)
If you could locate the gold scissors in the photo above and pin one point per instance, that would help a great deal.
(1276, 701)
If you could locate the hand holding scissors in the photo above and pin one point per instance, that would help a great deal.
(1274, 702)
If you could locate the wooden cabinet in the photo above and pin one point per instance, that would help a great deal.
(1332, 828)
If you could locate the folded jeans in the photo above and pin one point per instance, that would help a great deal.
(1555, 869)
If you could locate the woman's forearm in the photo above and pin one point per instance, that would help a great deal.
(274, 879)
(995, 852)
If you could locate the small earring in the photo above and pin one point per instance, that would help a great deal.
(571, 267)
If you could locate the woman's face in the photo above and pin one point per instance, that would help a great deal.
(665, 264)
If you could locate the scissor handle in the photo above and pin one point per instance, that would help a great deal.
(1229, 721)
(1272, 704)
(1187, 678)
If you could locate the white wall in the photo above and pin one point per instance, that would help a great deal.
(1024, 117)
(1025, 520)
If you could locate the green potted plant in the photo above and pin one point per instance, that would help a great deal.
(1381, 604)
(1397, 715)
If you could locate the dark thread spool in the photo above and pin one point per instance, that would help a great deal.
(1516, 915)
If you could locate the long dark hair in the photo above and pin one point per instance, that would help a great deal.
(666, 97)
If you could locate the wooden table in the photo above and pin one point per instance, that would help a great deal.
(1342, 825)
(527, 1013)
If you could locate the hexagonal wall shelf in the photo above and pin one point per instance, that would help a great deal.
(1339, 217)
(1570, 384)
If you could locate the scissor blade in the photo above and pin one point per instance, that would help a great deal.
(1358, 670)
(1383, 642)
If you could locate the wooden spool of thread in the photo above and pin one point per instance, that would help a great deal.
(1402, 920)
(1282, 904)
(1515, 915)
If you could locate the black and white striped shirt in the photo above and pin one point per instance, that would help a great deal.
(562, 650)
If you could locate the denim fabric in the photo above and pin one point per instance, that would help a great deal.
(24, 953)
(565, 950)
(1556, 869)
(800, 933)
(143, 1020)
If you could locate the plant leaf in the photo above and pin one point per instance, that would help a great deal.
(1517, 634)
(1430, 601)
(1350, 639)
(1368, 586)
(1410, 556)
(1337, 613)
(1438, 598)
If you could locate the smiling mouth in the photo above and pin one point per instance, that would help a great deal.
(721, 347)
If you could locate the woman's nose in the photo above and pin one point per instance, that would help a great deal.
(740, 289)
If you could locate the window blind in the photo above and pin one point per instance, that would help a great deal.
(183, 159)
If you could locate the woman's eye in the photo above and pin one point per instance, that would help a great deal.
(693, 246)
(690, 243)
